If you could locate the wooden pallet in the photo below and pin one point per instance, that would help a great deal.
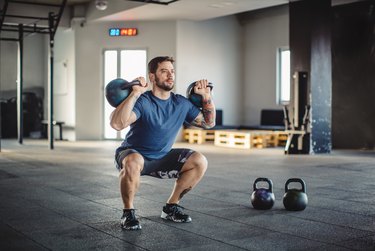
(199, 136)
(282, 137)
(246, 139)
(235, 139)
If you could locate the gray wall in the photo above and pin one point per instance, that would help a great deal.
(213, 50)
(34, 63)
(264, 32)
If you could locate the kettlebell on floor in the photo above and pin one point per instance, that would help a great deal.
(295, 199)
(262, 198)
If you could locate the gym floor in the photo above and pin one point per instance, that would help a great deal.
(68, 199)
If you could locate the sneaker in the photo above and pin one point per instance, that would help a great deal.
(173, 212)
(129, 220)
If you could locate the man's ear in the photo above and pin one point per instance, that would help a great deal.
(151, 76)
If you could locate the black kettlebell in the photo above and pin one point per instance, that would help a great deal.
(295, 199)
(118, 90)
(196, 99)
(262, 198)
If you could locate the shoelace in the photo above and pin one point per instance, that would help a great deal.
(129, 214)
(177, 209)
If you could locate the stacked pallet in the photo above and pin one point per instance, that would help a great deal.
(236, 138)
(246, 139)
(198, 136)
(282, 137)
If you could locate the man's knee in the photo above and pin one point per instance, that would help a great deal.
(132, 165)
(198, 161)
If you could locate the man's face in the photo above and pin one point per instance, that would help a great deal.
(164, 76)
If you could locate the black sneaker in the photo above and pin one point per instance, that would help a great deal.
(129, 221)
(173, 212)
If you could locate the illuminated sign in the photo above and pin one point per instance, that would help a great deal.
(120, 32)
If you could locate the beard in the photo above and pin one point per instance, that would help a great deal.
(163, 85)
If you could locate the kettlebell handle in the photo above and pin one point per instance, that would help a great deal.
(270, 185)
(190, 89)
(298, 180)
(127, 85)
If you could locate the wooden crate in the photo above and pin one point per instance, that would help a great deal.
(246, 139)
(199, 136)
(282, 137)
(236, 139)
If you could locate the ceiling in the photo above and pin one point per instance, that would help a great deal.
(125, 10)
(196, 10)
(128, 10)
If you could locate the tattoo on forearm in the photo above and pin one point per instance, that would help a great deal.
(184, 192)
(208, 111)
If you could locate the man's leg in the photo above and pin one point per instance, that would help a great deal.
(191, 173)
(132, 166)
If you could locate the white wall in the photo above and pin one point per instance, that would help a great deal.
(212, 50)
(159, 38)
(64, 81)
(263, 34)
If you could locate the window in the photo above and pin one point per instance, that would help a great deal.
(283, 76)
(126, 64)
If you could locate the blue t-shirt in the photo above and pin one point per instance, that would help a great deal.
(158, 122)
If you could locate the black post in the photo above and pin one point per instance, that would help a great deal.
(20, 86)
(50, 116)
(1, 120)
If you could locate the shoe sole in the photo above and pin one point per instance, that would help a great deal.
(167, 217)
(139, 227)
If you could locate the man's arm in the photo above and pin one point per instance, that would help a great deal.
(123, 115)
(206, 118)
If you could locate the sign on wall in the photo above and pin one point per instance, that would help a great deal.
(120, 32)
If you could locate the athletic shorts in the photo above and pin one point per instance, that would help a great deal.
(167, 167)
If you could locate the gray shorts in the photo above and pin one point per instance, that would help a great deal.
(167, 167)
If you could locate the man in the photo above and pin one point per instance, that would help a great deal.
(155, 117)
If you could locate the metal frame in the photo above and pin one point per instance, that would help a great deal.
(22, 29)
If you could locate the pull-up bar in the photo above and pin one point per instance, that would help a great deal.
(53, 22)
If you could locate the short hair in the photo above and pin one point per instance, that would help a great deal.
(154, 63)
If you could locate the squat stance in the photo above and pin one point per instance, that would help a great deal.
(155, 117)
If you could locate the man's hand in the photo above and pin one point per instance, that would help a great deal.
(142, 87)
(201, 88)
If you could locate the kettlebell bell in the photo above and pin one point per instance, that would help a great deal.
(118, 90)
(196, 99)
(262, 198)
(295, 199)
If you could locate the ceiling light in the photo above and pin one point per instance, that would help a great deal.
(101, 4)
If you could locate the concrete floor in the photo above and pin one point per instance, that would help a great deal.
(68, 199)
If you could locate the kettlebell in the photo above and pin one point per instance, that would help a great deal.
(262, 198)
(196, 99)
(118, 90)
(295, 199)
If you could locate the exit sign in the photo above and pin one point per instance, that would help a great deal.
(121, 32)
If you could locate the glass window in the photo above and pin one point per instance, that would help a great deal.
(126, 64)
(283, 76)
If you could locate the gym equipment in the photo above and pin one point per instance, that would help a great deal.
(196, 99)
(298, 125)
(295, 199)
(262, 198)
(118, 90)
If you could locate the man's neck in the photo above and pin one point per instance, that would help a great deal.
(161, 94)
